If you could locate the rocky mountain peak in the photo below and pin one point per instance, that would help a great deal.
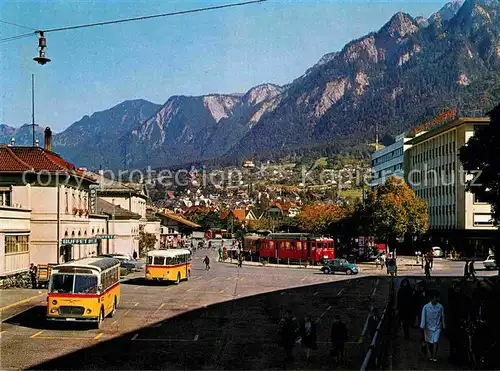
(399, 26)
(220, 106)
(261, 93)
(447, 12)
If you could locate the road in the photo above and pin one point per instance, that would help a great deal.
(224, 318)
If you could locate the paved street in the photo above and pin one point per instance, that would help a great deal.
(222, 318)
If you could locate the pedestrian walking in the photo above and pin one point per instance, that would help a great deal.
(207, 262)
(308, 335)
(406, 306)
(432, 324)
(427, 270)
(472, 270)
(220, 253)
(134, 255)
(338, 338)
(240, 260)
(466, 271)
(33, 272)
(382, 261)
(288, 331)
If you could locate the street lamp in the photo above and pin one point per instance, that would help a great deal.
(42, 44)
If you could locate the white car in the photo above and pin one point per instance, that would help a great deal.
(490, 263)
(437, 252)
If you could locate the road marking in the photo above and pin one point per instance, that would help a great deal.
(3, 332)
(21, 301)
(349, 281)
(166, 340)
(98, 336)
(303, 279)
(323, 314)
(375, 288)
(128, 311)
(221, 291)
(196, 337)
(282, 293)
(340, 292)
(242, 278)
(135, 336)
(36, 334)
(316, 293)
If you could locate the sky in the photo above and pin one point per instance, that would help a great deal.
(217, 51)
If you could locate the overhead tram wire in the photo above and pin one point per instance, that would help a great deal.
(18, 25)
(17, 37)
(150, 16)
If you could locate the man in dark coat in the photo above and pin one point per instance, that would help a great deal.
(288, 331)
(308, 335)
(339, 338)
(406, 307)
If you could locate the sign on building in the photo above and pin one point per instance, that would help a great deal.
(105, 236)
(93, 199)
(79, 241)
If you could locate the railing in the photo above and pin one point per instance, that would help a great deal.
(376, 356)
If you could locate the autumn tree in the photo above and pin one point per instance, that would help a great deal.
(147, 242)
(393, 209)
(317, 217)
(480, 157)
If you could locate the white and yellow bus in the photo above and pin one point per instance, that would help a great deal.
(85, 290)
(171, 265)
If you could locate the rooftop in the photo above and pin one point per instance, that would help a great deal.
(20, 159)
(104, 207)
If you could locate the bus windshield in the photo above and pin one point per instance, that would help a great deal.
(74, 284)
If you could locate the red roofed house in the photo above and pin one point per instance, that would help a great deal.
(44, 209)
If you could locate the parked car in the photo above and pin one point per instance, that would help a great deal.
(490, 262)
(126, 265)
(437, 252)
(339, 265)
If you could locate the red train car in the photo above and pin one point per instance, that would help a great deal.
(291, 246)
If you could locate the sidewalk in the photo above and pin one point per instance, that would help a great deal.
(407, 354)
(16, 296)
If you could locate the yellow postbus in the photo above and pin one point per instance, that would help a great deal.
(85, 290)
(168, 265)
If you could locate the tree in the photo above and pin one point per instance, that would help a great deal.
(480, 156)
(317, 217)
(393, 209)
(147, 242)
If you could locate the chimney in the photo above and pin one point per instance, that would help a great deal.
(48, 139)
(12, 142)
(37, 143)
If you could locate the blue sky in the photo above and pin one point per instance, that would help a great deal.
(222, 51)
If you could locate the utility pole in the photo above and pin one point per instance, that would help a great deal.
(33, 105)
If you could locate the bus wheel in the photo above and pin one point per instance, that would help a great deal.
(114, 309)
(178, 279)
(100, 319)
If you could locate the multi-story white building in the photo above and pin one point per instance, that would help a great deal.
(436, 175)
(389, 161)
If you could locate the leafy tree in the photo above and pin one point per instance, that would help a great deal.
(393, 209)
(481, 155)
(317, 217)
(147, 242)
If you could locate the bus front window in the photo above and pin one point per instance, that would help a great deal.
(85, 284)
(62, 283)
(74, 284)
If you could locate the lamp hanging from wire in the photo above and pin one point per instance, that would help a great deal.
(42, 44)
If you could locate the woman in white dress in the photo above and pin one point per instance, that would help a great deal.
(432, 323)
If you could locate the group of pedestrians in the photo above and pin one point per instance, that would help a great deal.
(420, 307)
(291, 332)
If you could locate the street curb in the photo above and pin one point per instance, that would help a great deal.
(21, 301)
(275, 266)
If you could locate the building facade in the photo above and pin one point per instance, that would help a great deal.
(389, 161)
(436, 175)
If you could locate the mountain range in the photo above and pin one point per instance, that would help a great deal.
(395, 78)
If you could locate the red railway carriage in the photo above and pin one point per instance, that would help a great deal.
(291, 246)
